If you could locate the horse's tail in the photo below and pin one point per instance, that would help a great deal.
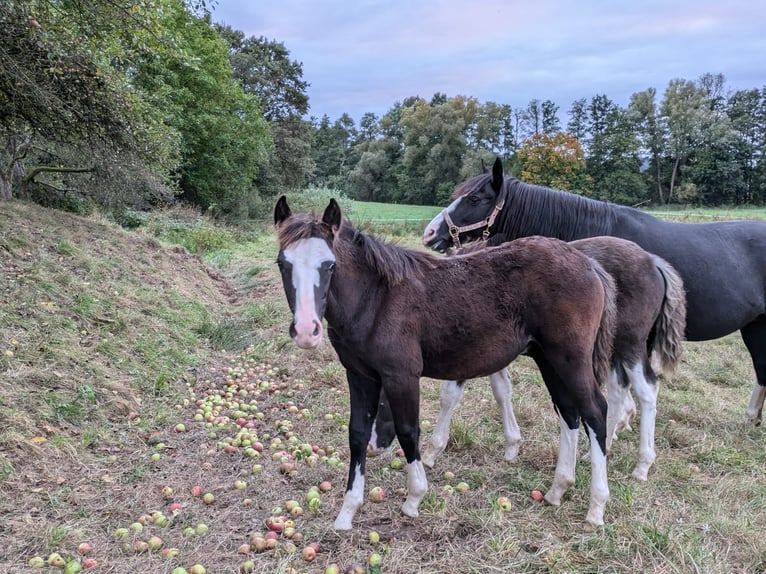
(671, 322)
(602, 349)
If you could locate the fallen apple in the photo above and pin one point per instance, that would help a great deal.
(504, 503)
(377, 494)
(374, 537)
(84, 548)
(308, 554)
(537, 495)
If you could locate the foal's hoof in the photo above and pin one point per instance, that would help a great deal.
(410, 509)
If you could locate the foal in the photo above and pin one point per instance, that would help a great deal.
(395, 315)
(651, 314)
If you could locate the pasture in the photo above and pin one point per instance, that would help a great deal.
(110, 339)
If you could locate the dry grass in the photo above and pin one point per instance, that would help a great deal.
(108, 339)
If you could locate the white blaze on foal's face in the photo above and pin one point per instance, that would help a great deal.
(308, 264)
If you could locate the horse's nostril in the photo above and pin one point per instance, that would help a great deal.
(317, 328)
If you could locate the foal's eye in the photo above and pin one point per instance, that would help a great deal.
(331, 267)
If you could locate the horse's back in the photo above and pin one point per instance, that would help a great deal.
(722, 264)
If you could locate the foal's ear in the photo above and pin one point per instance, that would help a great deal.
(332, 215)
(281, 211)
(497, 174)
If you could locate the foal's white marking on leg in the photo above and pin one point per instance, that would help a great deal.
(755, 408)
(599, 485)
(372, 446)
(502, 389)
(615, 400)
(628, 412)
(564, 476)
(451, 394)
(647, 398)
(352, 500)
(417, 485)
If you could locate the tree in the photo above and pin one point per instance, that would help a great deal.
(264, 69)
(550, 118)
(224, 135)
(649, 126)
(554, 160)
(578, 120)
(64, 97)
(683, 109)
(434, 143)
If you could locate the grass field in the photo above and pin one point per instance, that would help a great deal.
(110, 339)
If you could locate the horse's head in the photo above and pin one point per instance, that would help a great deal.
(306, 262)
(472, 212)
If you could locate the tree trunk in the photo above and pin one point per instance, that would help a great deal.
(673, 178)
(12, 172)
(659, 179)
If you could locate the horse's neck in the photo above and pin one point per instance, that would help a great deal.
(351, 289)
(537, 210)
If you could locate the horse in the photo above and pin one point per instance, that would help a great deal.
(722, 264)
(651, 313)
(395, 315)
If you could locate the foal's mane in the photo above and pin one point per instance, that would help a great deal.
(538, 210)
(392, 263)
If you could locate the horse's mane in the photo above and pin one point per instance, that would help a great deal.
(391, 262)
(538, 210)
(301, 226)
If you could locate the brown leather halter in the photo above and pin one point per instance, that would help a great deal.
(455, 231)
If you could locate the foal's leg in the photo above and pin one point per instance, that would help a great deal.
(754, 336)
(628, 412)
(564, 475)
(616, 392)
(502, 389)
(364, 393)
(404, 398)
(452, 392)
(647, 388)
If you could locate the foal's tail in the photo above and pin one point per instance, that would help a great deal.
(666, 344)
(602, 349)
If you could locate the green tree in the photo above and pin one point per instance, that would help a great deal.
(434, 144)
(746, 110)
(650, 129)
(68, 111)
(264, 69)
(224, 135)
(551, 123)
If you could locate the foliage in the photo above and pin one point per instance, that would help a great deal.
(223, 132)
(67, 109)
(264, 70)
(555, 161)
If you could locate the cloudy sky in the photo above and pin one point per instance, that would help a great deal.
(365, 55)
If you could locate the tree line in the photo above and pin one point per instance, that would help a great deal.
(125, 104)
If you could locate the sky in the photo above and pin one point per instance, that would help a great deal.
(365, 55)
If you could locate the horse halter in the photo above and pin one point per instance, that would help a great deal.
(455, 231)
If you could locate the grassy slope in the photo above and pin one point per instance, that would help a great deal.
(108, 339)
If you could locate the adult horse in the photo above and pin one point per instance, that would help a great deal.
(650, 320)
(395, 315)
(722, 264)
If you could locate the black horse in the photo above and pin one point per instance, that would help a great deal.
(722, 264)
(395, 315)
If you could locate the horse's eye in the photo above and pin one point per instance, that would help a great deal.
(331, 267)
